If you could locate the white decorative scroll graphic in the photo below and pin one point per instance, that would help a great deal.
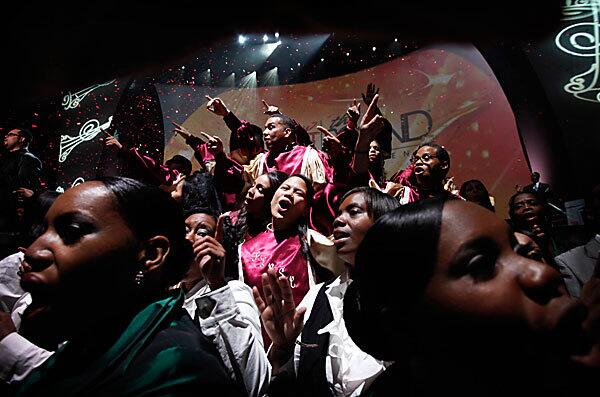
(87, 132)
(77, 181)
(71, 101)
(582, 39)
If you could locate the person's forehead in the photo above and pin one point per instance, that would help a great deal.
(464, 221)
(91, 198)
(262, 180)
(195, 219)
(525, 197)
(426, 149)
(273, 120)
(296, 182)
(355, 199)
(15, 131)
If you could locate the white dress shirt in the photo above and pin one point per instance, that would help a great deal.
(18, 356)
(349, 369)
(10, 282)
(229, 317)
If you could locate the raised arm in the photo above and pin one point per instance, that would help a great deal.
(370, 125)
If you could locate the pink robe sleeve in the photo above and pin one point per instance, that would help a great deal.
(161, 174)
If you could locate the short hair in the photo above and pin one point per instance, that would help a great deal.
(186, 163)
(27, 135)
(150, 211)
(287, 121)
(378, 203)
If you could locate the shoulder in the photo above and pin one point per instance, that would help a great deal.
(181, 351)
(239, 287)
(572, 255)
(30, 157)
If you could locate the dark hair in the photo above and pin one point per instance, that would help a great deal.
(276, 178)
(233, 235)
(199, 191)
(186, 164)
(150, 211)
(394, 264)
(287, 121)
(384, 139)
(378, 203)
(35, 211)
(248, 136)
(27, 135)
(484, 200)
(200, 210)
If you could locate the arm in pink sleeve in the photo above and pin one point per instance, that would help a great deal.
(160, 173)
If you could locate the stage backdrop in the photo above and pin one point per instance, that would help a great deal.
(447, 94)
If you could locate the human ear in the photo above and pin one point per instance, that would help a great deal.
(445, 165)
(155, 252)
(288, 132)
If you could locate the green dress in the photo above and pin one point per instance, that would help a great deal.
(162, 352)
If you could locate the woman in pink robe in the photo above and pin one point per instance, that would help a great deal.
(287, 245)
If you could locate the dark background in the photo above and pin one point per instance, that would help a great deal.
(51, 48)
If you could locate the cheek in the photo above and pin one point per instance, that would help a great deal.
(497, 300)
(359, 228)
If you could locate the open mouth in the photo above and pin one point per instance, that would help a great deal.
(531, 218)
(340, 238)
(419, 169)
(284, 204)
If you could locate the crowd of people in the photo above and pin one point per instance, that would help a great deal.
(283, 270)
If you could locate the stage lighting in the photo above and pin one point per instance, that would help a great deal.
(271, 78)
(276, 35)
(374, 48)
(267, 49)
(265, 38)
(241, 39)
